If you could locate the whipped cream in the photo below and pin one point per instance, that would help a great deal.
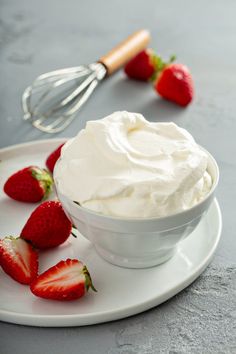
(125, 166)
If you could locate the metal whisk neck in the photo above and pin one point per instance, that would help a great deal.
(56, 117)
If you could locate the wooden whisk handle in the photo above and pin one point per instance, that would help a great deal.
(127, 49)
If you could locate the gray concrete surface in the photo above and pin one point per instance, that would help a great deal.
(38, 36)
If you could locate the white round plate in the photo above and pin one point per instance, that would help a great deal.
(121, 292)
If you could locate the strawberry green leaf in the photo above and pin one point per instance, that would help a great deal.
(88, 280)
(44, 178)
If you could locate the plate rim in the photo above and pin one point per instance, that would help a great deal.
(33, 142)
(72, 320)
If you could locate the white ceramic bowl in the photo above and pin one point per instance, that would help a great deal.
(138, 243)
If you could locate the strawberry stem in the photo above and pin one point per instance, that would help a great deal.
(88, 280)
(73, 230)
(172, 58)
(159, 65)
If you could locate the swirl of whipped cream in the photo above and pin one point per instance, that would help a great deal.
(125, 166)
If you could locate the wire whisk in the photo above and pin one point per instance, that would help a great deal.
(53, 100)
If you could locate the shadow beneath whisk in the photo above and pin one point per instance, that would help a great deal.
(123, 85)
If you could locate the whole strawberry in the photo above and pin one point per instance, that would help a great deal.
(67, 280)
(53, 157)
(18, 259)
(48, 226)
(174, 82)
(142, 66)
(31, 185)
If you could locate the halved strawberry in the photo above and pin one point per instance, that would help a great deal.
(18, 259)
(53, 157)
(31, 185)
(67, 280)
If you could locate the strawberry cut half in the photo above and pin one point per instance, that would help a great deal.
(67, 280)
(18, 259)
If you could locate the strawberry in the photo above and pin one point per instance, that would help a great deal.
(174, 82)
(67, 280)
(142, 66)
(18, 259)
(31, 185)
(48, 226)
(53, 157)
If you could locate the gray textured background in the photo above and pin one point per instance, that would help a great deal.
(38, 36)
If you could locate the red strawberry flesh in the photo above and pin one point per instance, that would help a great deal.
(67, 280)
(18, 259)
(31, 185)
(175, 83)
(53, 157)
(48, 226)
(141, 67)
